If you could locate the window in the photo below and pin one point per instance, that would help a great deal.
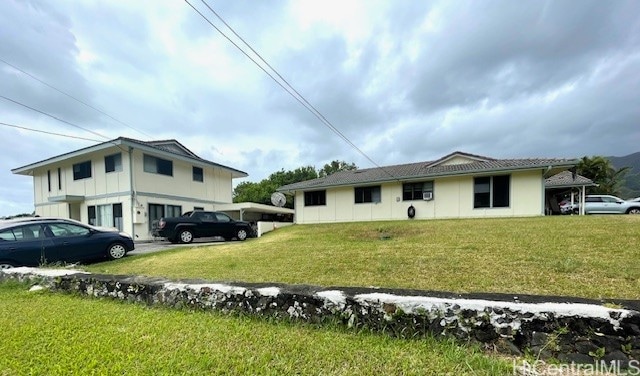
(174, 211)
(414, 191)
(49, 179)
(157, 165)
(220, 217)
(82, 170)
(109, 215)
(118, 221)
(92, 215)
(113, 163)
(59, 178)
(198, 174)
(7, 236)
(27, 233)
(104, 215)
(67, 229)
(198, 208)
(315, 198)
(24, 233)
(367, 194)
(491, 191)
(156, 212)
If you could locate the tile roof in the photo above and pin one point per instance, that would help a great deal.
(426, 170)
(566, 179)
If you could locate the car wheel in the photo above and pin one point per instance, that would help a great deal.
(633, 211)
(116, 251)
(186, 236)
(6, 265)
(241, 234)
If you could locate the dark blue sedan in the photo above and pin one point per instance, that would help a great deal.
(40, 241)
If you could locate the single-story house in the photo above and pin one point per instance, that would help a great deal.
(130, 184)
(458, 185)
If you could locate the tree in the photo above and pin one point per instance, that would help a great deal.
(261, 192)
(601, 171)
(336, 166)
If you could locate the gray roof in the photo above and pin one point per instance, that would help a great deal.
(566, 179)
(163, 147)
(428, 170)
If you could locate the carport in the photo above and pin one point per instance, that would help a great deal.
(563, 183)
(265, 217)
(253, 212)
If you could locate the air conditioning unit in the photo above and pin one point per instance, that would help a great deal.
(427, 196)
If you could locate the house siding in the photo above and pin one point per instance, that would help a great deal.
(453, 198)
(132, 187)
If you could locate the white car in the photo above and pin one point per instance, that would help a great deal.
(607, 204)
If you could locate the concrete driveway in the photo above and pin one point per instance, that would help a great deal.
(158, 246)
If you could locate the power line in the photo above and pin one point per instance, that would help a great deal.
(289, 89)
(74, 98)
(53, 116)
(62, 120)
(45, 132)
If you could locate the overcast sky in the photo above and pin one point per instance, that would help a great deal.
(405, 81)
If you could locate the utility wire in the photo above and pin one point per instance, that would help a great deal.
(74, 98)
(53, 116)
(289, 89)
(45, 132)
(62, 120)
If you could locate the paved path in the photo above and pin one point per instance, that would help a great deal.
(157, 246)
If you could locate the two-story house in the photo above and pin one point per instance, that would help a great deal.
(128, 184)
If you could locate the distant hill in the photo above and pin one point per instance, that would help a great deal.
(631, 187)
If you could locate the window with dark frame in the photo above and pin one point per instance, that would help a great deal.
(414, 191)
(59, 178)
(157, 165)
(49, 179)
(92, 215)
(491, 191)
(367, 194)
(113, 163)
(82, 170)
(156, 211)
(315, 198)
(198, 174)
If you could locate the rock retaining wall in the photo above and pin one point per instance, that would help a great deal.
(569, 329)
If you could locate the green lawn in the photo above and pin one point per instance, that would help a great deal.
(56, 334)
(592, 256)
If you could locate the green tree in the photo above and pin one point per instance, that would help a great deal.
(261, 192)
(601, 171)
(336, 166)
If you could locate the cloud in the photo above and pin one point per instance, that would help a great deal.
(404, 82)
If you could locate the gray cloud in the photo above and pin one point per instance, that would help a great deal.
(405, 82)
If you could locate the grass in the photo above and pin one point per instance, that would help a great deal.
(47, 334)
(592, 256)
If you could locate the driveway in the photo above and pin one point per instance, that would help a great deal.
(163, 245)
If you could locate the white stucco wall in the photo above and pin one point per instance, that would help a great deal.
(453, 198)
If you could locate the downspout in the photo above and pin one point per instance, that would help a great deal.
(133, 194)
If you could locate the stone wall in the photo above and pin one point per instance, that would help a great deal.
(569, 329)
